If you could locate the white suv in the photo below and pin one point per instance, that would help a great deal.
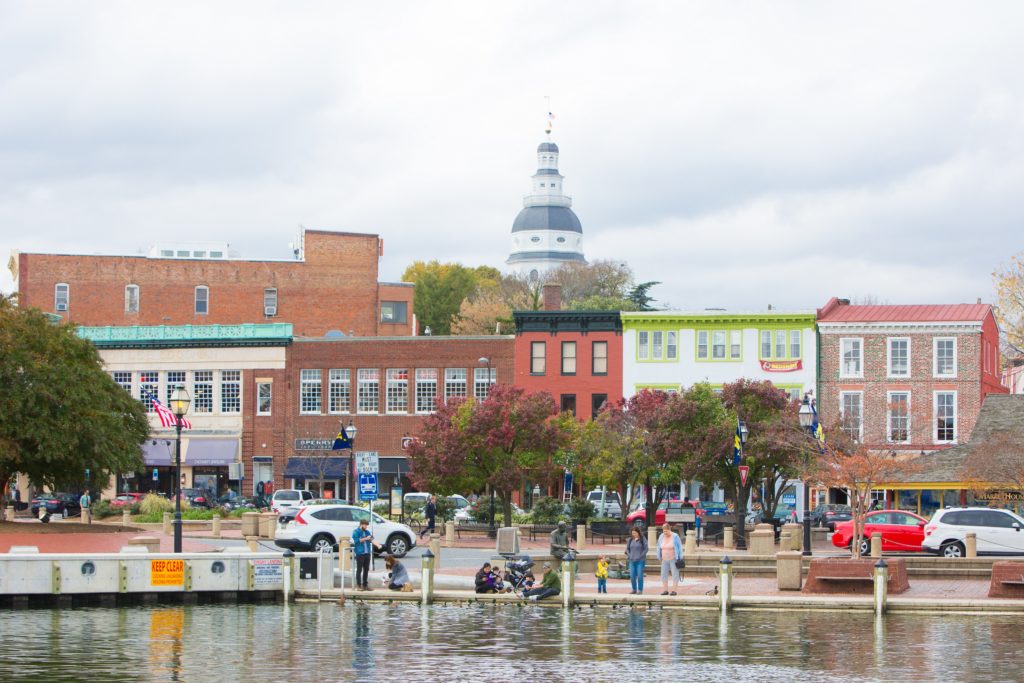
(998, 532)
(612, 507)
(320, 527)
(288, 500)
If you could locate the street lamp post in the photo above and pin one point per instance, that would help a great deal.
(741, 527)
(806, 415)
(180, 401)
(350, 434)
(492, 532)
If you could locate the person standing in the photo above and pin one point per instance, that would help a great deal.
(84, 502)
(602, 574)
(430, 512)
(636, 554)
(670, 552)
(362, 544)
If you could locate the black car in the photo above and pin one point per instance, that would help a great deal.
(827, 515)
(65, 504)
(197, 498)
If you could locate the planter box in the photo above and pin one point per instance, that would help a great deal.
(1007, 580)
(848, 576)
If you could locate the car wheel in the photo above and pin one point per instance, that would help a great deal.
(322, 543)
(398, 545)
(865, 546)
(954, 549)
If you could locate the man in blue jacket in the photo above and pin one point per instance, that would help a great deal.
(362, 544)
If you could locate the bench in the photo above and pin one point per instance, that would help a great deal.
(471, 528)
(605, 531)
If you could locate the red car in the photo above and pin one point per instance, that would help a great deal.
(639, 516)
(126, 499)
(901, 531)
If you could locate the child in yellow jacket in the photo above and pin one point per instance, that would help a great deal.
(602, 574)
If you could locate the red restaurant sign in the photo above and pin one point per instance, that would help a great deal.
(782, 365)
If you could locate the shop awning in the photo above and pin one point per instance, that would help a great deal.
(158, 452)
(316, 468)
(211, 452)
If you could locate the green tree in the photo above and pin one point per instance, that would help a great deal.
(638, 297)
(599, 281)
(439, 291)
(61, 414)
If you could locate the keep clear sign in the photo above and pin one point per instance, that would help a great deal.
(267, 572)
(166, 572)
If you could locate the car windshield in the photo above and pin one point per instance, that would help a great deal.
(287, 495)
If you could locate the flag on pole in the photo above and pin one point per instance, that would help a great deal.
(341, 441)
(816, 431)
(167, 418)
(737, 446)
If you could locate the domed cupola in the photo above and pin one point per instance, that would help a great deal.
(546, 233)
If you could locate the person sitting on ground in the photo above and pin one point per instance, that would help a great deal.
(560, 541)
(483, 580)
(550, 585)
(399, 576)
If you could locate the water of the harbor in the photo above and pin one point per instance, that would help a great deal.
(327, 642)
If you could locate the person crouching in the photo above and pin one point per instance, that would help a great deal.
(550, 585)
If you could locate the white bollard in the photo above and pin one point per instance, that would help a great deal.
(725, 584)
(881, 586)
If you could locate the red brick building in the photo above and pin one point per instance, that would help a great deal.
(330, 285)
(384, 386)
(910, 378)
(576, 356)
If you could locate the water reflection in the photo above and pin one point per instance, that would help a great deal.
(485, 642)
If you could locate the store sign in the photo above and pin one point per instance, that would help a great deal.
(782, 365)
(166, 572)
(1002, 495)
(313, 444)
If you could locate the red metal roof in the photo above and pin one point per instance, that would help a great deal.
(904, 313)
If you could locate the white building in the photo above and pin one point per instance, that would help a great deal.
(670, 350)
(546, 233)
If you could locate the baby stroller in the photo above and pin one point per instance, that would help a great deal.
(517, 572)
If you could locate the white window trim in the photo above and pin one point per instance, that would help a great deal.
(195, 300)
(842, 357)
(935, 357)
(842, 394)
(320, 384)
(888, 357)
(264, 412)
(67, 296)
(127, 298)
(935, 416)
(888, 417)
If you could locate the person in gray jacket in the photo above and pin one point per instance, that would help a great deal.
(636, 554)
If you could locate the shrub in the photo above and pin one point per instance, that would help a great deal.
(547, 510)
(581, 509)
(153, 504)
(102, 510)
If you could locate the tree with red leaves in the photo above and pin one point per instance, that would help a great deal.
(498, 443)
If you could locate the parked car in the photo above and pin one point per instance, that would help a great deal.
(126, 499)
(197, 498)
(997, 532)
(319, 527)
(827, 514)
(901, 531)
(612, 504)
(289, 499)
(65, 504)
(638, 517)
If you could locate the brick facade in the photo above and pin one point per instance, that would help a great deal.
(332, 287)
(585, 387)
(379, 431)
(975, 340)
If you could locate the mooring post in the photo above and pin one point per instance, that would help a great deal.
(725, 583)
(881, 586)
(289, 578)
(568, 582)
(427, 578)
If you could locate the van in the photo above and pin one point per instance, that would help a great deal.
(288, 500)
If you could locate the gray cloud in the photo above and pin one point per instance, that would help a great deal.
(743, 155)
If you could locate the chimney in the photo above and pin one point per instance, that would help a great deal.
(552, 295)
(843, 302)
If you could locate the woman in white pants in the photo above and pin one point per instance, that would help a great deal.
(670, 549)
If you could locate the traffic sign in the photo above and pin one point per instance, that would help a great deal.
(368, 486)
(367, 462)
(744, 471)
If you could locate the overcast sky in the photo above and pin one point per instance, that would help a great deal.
(744, 154)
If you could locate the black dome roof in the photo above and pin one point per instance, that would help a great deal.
(547, 218)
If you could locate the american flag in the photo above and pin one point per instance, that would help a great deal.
(167, 418)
